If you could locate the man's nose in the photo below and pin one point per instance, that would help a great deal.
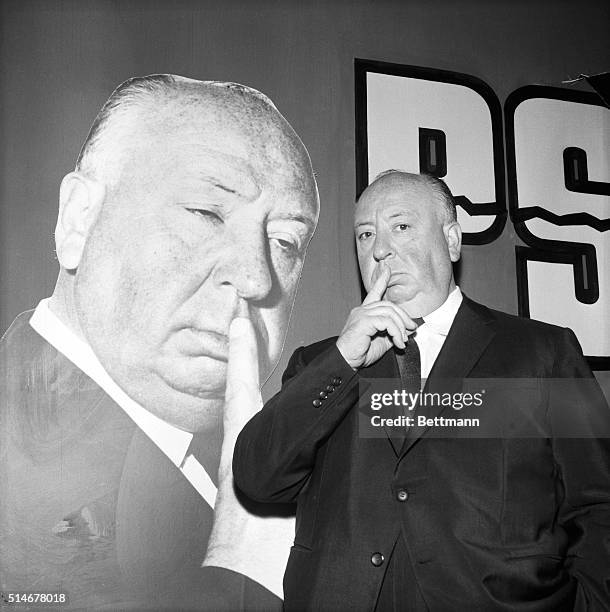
(382, 247)
(245, 266)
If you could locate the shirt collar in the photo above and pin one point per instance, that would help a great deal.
(173, 442)
(441, 319)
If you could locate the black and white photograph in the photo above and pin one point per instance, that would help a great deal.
(304, 305)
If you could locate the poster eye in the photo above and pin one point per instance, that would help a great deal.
(209, 215)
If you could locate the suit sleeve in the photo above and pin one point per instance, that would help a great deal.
(276, 451)
(584, 468)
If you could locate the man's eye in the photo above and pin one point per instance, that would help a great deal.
(209, 215)
(362, 236)
(402, 227)
(284, 244)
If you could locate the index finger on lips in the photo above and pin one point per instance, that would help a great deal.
(379, 286)
(242, 387)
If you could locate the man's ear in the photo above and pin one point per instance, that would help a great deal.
(453, 236)
(80, 200)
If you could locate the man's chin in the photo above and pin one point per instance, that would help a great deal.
(415, 303)
(188, 406)
(400, 294)
(199, 377)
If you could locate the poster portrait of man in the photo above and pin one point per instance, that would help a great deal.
(190, 208)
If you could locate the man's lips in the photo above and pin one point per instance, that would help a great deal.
(204, 343)
(396, 278)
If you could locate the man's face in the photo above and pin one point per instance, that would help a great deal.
(400, 221)
(210, 215)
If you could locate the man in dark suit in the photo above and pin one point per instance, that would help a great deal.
(180, 238)
(424, 519)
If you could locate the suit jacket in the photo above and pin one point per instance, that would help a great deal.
(90, 506)
(498, 523)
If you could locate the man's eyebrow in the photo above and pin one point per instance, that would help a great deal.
(247, 192)
(296, 217)
(221, 186)
(394, 215)
(402, 213)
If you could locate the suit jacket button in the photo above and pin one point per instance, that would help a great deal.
(330, 388)
(377, 559)
(337, 380)
(317, 403)
(323, 395)
(402, 495)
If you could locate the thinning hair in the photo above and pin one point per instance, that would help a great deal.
(138, 100)
(437, 186)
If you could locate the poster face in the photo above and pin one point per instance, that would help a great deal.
(116, 434)
(181, 236)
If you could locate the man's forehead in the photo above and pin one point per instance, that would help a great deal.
(235, 166)
(227, 159)
(227, 133)
(265, 135)
(394, 193)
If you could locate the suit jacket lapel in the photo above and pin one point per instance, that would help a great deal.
(471, 332)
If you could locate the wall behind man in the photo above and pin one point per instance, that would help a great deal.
(60, 59)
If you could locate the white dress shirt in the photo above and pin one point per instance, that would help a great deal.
(432, 333)
(170, 440)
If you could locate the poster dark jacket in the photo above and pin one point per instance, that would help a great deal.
(90, 506)
(489, 524)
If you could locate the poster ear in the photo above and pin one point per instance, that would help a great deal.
(453, 236)
(80, 199)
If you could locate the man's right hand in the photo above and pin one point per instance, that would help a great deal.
(374, 326)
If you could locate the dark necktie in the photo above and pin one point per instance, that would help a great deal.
(409, 367)
(409, 364)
